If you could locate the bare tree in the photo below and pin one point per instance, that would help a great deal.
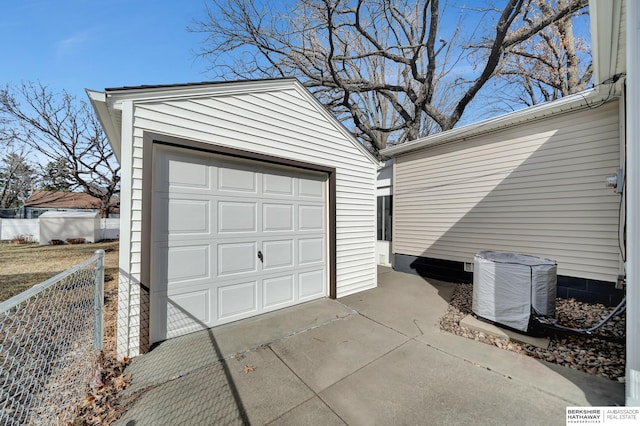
(551, 64)
(390, 69)
(65, 132)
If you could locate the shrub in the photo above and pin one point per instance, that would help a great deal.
(24, 239)
(76, 240)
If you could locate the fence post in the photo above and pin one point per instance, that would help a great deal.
(98, 301)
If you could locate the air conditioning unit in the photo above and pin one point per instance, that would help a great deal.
(509, 288)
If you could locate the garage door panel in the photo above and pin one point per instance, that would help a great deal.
(188, 217)
(237, 258)
(237, 299)
(311, 188)
(277, 185)
(184, 177)
(186, 313)
(311, 217)
(310, 251)
(235, 216)
(193, 306)
(237, 180)
(277, 217)
(188, 263)
(184, 174)
(278, 291)
(181, 269)
(278, 254)
(188, 175)
(311, 284)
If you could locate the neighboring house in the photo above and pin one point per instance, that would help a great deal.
(43, 201)
(237, 198)
(538, 181)
(9, 213)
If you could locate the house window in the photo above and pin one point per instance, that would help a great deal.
(384, 217)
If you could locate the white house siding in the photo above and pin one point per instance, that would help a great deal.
(276, 122)
(537, 188)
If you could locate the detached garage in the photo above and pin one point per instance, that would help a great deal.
(237, 199)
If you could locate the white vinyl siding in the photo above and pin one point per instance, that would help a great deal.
(537, 188)
(281, 123)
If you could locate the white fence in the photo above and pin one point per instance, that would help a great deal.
(10, 229)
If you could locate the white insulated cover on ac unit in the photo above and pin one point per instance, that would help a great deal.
(506, 286)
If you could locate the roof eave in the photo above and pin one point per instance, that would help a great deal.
(105, 116)
(574, 102)
(605, 23)
(105, 103)
(140, 94)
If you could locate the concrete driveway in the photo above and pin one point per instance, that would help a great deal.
(376, 357)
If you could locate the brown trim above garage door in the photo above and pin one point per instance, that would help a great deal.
(149, 139)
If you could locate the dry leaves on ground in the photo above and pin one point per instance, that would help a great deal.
(594, 355)
(101, 405)
(104, 404)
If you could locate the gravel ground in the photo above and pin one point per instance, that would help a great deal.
(592, 355)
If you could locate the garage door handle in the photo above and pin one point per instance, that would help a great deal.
(260, 256)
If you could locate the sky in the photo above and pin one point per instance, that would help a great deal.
(77, 44)
(95, 44)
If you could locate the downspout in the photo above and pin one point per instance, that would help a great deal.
(633, 205)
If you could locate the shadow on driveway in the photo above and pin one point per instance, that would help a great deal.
(375, 357)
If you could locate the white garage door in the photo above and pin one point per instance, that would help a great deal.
(232, 239)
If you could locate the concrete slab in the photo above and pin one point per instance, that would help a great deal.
(175, 357)
(271, 327)
(223, 394)
(574, 387)
(201, 397)
(270, 390)
(473, 323)
(311, 412)
(179, 356)
(415, 384)
(403, 302)
(388, 364)
(324, 355)
(384, 270)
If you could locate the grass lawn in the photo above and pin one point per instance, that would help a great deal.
(24, 265)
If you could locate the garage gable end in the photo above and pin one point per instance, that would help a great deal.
(282, 122)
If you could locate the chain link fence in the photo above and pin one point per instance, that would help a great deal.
(50, 338)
